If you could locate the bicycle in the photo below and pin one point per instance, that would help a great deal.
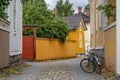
(91, 64)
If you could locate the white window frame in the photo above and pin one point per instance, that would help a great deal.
(80, 40)
(105, 18)
(97, 16)
(92, 21)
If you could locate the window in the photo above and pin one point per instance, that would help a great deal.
(80, 39)
(92, 18)
(97, 15)
(105, 18)
(100, 15)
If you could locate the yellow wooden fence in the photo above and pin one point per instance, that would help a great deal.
(54, 49)
(110, 49)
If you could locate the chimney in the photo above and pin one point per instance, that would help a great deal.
(79, 9)
(55, 11)
(87, 12)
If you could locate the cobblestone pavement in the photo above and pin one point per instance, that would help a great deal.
(67, 69)
(54, 71)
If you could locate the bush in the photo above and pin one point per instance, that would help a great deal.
(57, 29)
(3, 5)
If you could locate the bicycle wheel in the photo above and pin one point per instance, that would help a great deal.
(98, 69)
(86, 65)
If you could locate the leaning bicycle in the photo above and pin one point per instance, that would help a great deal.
(91, 64)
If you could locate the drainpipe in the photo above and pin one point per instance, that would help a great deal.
(95, 23)
(117, 37)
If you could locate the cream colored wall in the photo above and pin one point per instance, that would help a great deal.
(99, 26)
(110, 49)
(87, 37)
(110, 43)
(96, 25)
(87, 33)
(99, 37)
(92, 23)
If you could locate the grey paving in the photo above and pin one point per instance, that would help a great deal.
(27, 72)
(81, 75)
(67, 69)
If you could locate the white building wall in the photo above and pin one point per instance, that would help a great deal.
(87, 37)
(118, 36)
(15, 18)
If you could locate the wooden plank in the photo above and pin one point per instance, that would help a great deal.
(28, 47)
(4, 48)
(110, 48)
(54, 49)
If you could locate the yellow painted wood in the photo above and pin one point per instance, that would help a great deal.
(53, 49)
(99, 37)
(80, 42)
(110, 49)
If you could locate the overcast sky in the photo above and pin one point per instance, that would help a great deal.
(76, 3)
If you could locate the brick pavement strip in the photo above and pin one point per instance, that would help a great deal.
(54, 72)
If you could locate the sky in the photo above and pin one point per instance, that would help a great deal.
(51, 4)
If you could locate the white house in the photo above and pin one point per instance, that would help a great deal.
(87, 37)
(15, 18)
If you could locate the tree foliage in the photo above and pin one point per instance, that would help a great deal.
(3, 5)
(57, 29)
(108, 10)
(87, 7)
(24, 1)
(49, 26)
(64, 9)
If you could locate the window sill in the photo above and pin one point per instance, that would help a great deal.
(110, 26)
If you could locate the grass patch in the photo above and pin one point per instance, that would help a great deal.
(13, 70)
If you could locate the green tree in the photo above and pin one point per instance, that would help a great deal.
(24, 1)
(87, 7)
(64, 9)
(3, 5)
(57, 29)
(49, 26)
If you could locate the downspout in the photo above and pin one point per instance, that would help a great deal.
(14, 24)
(117, 37)
(95, 23)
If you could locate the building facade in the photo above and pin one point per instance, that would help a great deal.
(79, 24)
(105, 32)
(15, 19)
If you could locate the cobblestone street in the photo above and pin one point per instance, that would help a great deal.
(60, 71)
(67, 69)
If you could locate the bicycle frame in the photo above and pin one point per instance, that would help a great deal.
(93, 59)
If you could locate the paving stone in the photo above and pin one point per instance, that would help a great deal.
(55, 70)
